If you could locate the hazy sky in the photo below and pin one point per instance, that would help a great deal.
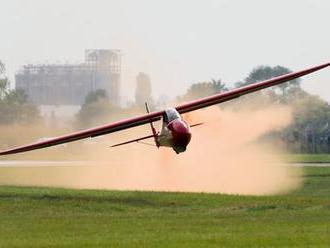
(178, 42)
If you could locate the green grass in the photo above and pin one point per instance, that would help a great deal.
(307, 158)
(44, 217)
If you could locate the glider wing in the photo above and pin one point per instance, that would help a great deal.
(155, 116)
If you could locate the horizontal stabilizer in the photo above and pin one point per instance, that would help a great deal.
(197, 124)
(132, 141)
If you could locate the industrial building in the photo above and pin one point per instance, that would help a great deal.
(68, 84)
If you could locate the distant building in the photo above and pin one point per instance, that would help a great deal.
(143, 89)
(68, 84)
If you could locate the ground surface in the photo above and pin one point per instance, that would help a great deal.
(44, 217)
(64, 155)
(307, 158)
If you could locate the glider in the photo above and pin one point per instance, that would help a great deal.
(175, 132)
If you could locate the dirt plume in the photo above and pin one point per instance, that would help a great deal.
(225, 156)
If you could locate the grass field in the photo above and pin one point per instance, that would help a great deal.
(307, 158)
(44, 217)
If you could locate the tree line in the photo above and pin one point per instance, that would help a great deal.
(309, 131)
(15, 107)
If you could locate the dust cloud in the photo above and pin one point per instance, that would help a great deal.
(224, 156)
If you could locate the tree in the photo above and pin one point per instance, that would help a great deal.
(15, 108)
(4, 82)
(14, 104)
(311, 121)
(203, 89)
(96, 109)
(2, 68)
(281, 92)
(94, 96)
(218, 86)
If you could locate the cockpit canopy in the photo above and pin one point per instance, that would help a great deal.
(170, 115)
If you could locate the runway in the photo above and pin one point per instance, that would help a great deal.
(44, 163)
(53, 163)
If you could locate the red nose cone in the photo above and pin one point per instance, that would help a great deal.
(181, 135)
